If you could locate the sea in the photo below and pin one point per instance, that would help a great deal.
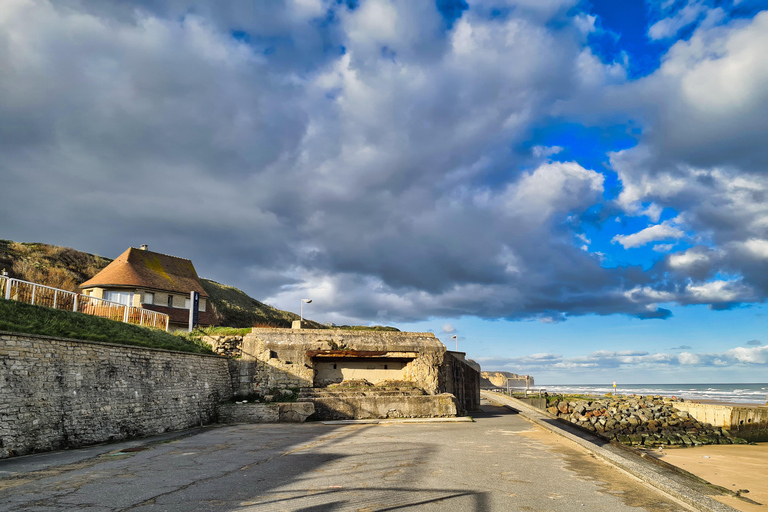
(732, 393)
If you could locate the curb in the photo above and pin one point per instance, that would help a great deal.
(645, 471)
(459, 419)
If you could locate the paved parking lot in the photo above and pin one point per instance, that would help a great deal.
(499, 462)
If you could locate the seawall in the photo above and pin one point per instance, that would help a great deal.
(747, 422)
(58, 393)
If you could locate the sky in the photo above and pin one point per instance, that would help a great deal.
(576, 189)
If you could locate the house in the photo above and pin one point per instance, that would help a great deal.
(154, 281)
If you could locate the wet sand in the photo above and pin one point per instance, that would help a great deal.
(734, 467)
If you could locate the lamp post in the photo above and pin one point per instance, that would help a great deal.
(308, 301)
(457, 342)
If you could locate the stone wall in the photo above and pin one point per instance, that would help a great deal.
(230, 345)
(58, 393)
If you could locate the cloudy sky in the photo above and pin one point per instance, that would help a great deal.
(576, 189)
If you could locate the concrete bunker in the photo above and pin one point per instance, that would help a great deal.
(358, 374)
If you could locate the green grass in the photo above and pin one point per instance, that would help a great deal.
(385, 328)
(24, 318)
(219, 331)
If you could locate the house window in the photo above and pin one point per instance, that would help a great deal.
(187, 304)
(149, 298)
(121, 297)
(170, 300)
(202, 305)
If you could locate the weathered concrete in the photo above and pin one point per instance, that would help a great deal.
(289, 412)
(746, 422)
(399, 405)
(57, 393)
(287, 358)
(499, 463)
(461, 380)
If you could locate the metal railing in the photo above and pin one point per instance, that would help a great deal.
(41, 295)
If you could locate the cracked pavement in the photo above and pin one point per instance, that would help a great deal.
(499, 462)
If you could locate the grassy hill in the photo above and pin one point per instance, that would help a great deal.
(51, 265)
(235, 308)
(66, 268)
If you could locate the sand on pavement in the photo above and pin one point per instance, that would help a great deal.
(734, 467)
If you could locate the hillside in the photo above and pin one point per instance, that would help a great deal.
(60, 267)
(65, 268)
(235, 308)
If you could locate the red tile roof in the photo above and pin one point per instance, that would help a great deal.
(139, 268)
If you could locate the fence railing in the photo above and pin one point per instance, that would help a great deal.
(41, 295)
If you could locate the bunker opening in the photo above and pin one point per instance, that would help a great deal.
(378, 368)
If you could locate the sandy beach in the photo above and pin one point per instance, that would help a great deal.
(734, 467)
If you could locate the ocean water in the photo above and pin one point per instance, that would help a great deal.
(736, 393)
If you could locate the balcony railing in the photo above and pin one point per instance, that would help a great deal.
(41, 295)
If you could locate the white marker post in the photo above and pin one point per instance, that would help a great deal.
(614, 388)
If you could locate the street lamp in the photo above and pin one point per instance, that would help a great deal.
(308, 301)
(457, 342)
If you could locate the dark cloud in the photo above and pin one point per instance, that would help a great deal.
(285, 152)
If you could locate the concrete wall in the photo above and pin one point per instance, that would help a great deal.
(278, 358)
(57, 393)
(747, 422)
(295, 412)
(379, 407)
(463, 381)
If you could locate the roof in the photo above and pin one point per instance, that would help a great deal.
(138, 268)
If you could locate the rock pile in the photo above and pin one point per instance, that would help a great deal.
(230, 346)
(640, 421)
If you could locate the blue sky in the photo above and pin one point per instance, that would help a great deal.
(575, 188)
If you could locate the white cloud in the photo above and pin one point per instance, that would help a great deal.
(719, 291)
(750, 355)
(664, 231)
(629, 359)
(669, 27)
(757, 247)
(687, 259)
(449, 329)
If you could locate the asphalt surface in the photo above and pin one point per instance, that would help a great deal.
(499, 462)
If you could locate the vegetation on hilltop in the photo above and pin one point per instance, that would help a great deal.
(367, 328)
(235, 308)
(51, 265)
(24, 318)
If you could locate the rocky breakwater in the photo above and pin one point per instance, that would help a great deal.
(639, 421)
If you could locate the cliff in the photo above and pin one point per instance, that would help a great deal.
(499, 380)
